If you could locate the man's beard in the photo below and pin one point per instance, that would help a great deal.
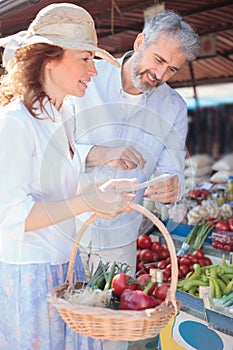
(137, 75)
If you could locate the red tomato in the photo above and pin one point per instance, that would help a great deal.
(161, 291)
(198, 254)
(144, 241)
(194, 259)
(215, 244)
(167, 271)
(157, 247)
(220, 246)
(145, 279)
(165, 278)
(180, 274)
(202, 262)
(151, 266)
(146, 255)
(208, 261)
(222, 225)
(141, 265)
(185, 261)
(184, 269)
(162, 264)
(227, 247)
(122, 281)
(164, 254)
(140, 272)
(230, 222)
(138, 255)
(156, 256)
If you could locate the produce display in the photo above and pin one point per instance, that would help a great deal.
(209, 210)
(219, 277)
(211, 207)
(156, 255)
(195, 269)
(113, 287)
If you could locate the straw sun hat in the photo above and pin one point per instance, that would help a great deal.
(66, 25)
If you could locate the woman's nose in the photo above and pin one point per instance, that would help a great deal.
(93, 70)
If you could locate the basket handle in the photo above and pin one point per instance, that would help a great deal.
(171, 295)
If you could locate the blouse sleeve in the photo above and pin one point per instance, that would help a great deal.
(16, 172)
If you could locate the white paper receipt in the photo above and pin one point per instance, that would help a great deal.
(150, 182)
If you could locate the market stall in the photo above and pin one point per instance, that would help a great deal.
(202, 231)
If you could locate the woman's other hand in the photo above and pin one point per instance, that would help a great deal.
(106, 200)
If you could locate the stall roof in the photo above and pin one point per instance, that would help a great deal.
(119, 21)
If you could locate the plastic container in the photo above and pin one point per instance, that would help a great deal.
(222, 240)
(229, 189)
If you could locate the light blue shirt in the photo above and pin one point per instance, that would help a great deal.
(155, 123)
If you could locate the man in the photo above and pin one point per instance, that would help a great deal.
(130, 123)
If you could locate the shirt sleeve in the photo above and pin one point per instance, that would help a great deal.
(16, 155)
(83, 151)
(173, 155)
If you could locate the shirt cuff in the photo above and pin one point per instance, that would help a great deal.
(83, 151)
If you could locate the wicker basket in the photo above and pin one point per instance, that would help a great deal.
(104, 323)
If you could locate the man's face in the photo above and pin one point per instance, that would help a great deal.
(156, 64)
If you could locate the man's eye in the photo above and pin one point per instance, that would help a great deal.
(158, 59)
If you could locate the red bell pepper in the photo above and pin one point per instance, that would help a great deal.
(137, 299)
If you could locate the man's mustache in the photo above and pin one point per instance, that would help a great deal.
(147, 71)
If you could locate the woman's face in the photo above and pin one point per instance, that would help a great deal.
(70, 75)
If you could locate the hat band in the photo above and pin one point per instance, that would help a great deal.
(84, 32)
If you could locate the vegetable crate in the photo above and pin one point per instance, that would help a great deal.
(182, 229)
(191, 303)
(219, 321)
(106, 323)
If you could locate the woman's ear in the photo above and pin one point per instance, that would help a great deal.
(139, 41)
(49, 64)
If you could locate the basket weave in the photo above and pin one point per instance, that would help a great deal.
(104, 323)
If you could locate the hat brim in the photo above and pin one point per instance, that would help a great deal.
(69, 43)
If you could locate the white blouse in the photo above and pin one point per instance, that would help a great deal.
(35, 165)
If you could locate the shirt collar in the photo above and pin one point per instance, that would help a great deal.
(52, 112)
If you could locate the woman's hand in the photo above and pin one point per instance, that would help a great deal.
(106, 200)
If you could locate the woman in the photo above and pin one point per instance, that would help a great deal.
(39, 194)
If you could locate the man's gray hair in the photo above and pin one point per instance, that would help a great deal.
(172, 25)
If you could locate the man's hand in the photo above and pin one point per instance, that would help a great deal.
(167, 191)
(124, 158)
